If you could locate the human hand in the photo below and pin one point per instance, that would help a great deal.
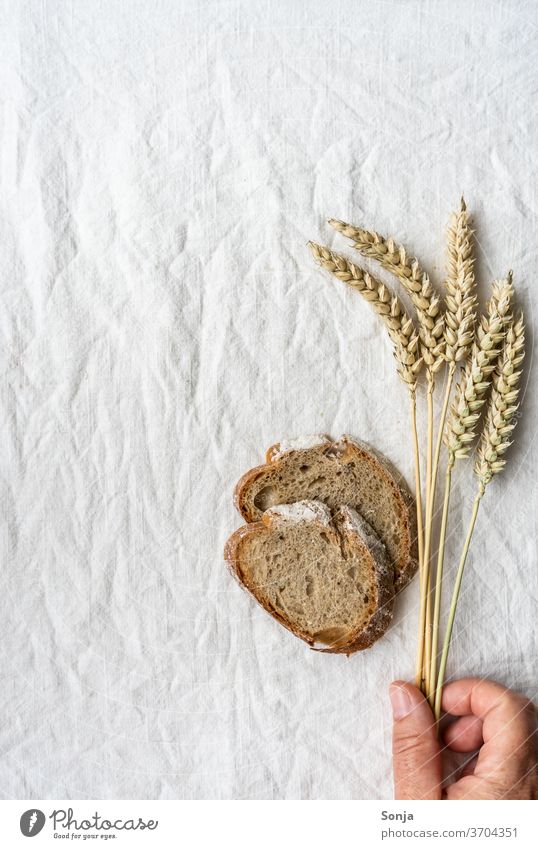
(498, 723)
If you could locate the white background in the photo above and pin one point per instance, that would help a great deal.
(163, 166)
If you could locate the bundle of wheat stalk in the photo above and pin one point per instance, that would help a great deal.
(489, 352)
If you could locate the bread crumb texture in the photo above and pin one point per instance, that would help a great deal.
(328, 581)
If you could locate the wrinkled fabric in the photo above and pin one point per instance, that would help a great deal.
(163, 166)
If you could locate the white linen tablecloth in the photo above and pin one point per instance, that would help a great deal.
(163, 167)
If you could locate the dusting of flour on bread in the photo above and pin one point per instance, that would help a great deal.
(353, 521)
(301, 511)
(301, 443)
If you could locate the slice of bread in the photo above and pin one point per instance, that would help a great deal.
(340, 472)
(328, 580)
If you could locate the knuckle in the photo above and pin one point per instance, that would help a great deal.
(411, 746)
(498, 788)
(528, 706)
(518, 701)
(525, 709)
(518, 707)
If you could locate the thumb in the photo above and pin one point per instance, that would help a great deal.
(415, 749)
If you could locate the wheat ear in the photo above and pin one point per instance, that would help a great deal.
(415, 281)
(495, 440)
(402, 334)
(461, 427)
(398, 323)
(459, 318)
(500, 418)
(476, 378)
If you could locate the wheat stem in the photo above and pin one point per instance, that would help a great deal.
(429, 460)
(418, 499)
(421, 651)
(418, 488)
(439, 579)
(429, 447)
(453, 605)
(429, 457)
(427, 637)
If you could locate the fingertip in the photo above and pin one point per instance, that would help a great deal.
(456, 696)
(410, 688)
(476, 696)
(405, 698)
(464, 734)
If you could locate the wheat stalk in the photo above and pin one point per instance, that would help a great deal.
(495, 440)
(461, 428)
(459, 319)
(402, 334)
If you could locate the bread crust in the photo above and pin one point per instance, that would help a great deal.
(359, 639)
(407, 565)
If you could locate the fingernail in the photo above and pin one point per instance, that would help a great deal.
(402, 703)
